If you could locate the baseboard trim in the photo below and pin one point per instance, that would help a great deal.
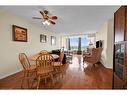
(109, 67)
(2, 77)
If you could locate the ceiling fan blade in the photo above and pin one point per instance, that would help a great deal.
(53, 17)
(36, 18)
(42, 13)
(52, 22)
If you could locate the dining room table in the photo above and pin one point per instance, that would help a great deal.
(35, 56)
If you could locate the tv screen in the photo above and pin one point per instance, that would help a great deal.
(98, 44)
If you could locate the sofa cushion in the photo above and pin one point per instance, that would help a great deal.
(56, 52)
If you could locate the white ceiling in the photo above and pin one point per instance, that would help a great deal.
(71, 19)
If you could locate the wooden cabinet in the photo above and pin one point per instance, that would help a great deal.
(125, 24)
(125, 67)
(119, 62)
(119, 25)
(120, 48)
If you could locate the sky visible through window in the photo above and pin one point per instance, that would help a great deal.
(74, 42)
(85, 41)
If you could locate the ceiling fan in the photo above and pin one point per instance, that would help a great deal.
(46, 18)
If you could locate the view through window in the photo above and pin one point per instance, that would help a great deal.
(75, 42)
(84, 43)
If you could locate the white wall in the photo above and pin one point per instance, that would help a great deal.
(106, 34)
(9, 49)
(110, 43)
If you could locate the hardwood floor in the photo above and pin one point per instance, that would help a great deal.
(76, 76)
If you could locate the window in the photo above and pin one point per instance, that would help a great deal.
(84, 43)
(74, 43)
(79, 42)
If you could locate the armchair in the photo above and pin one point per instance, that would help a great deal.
(94, 57)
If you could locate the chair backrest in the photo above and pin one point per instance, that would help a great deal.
(96, 54)
(61, 57)
(45, 62)
(24, 61)
(44, 52)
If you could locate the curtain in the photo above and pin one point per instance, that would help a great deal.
(69, 47)
(79, 44)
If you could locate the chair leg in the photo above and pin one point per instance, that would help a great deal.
(38, 82)
(24, 73)
(22, 83)
(45, 80)
(28, 83)
(52, 79)
(32, 84)
(33, 81)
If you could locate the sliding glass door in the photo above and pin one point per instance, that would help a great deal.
(74, 43)
(84, 43)
(78, 43)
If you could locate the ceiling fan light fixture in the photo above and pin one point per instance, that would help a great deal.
(46, 22)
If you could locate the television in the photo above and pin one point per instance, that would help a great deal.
(99, 44)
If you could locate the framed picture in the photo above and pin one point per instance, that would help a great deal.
(19, 33)
(43, 38)
(53, 40)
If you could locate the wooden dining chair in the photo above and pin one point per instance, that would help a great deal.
(44, 65)
(58, 66)
(28, 69)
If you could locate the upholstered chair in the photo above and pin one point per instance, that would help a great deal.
(94, 57)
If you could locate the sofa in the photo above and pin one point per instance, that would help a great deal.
(57, 51)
